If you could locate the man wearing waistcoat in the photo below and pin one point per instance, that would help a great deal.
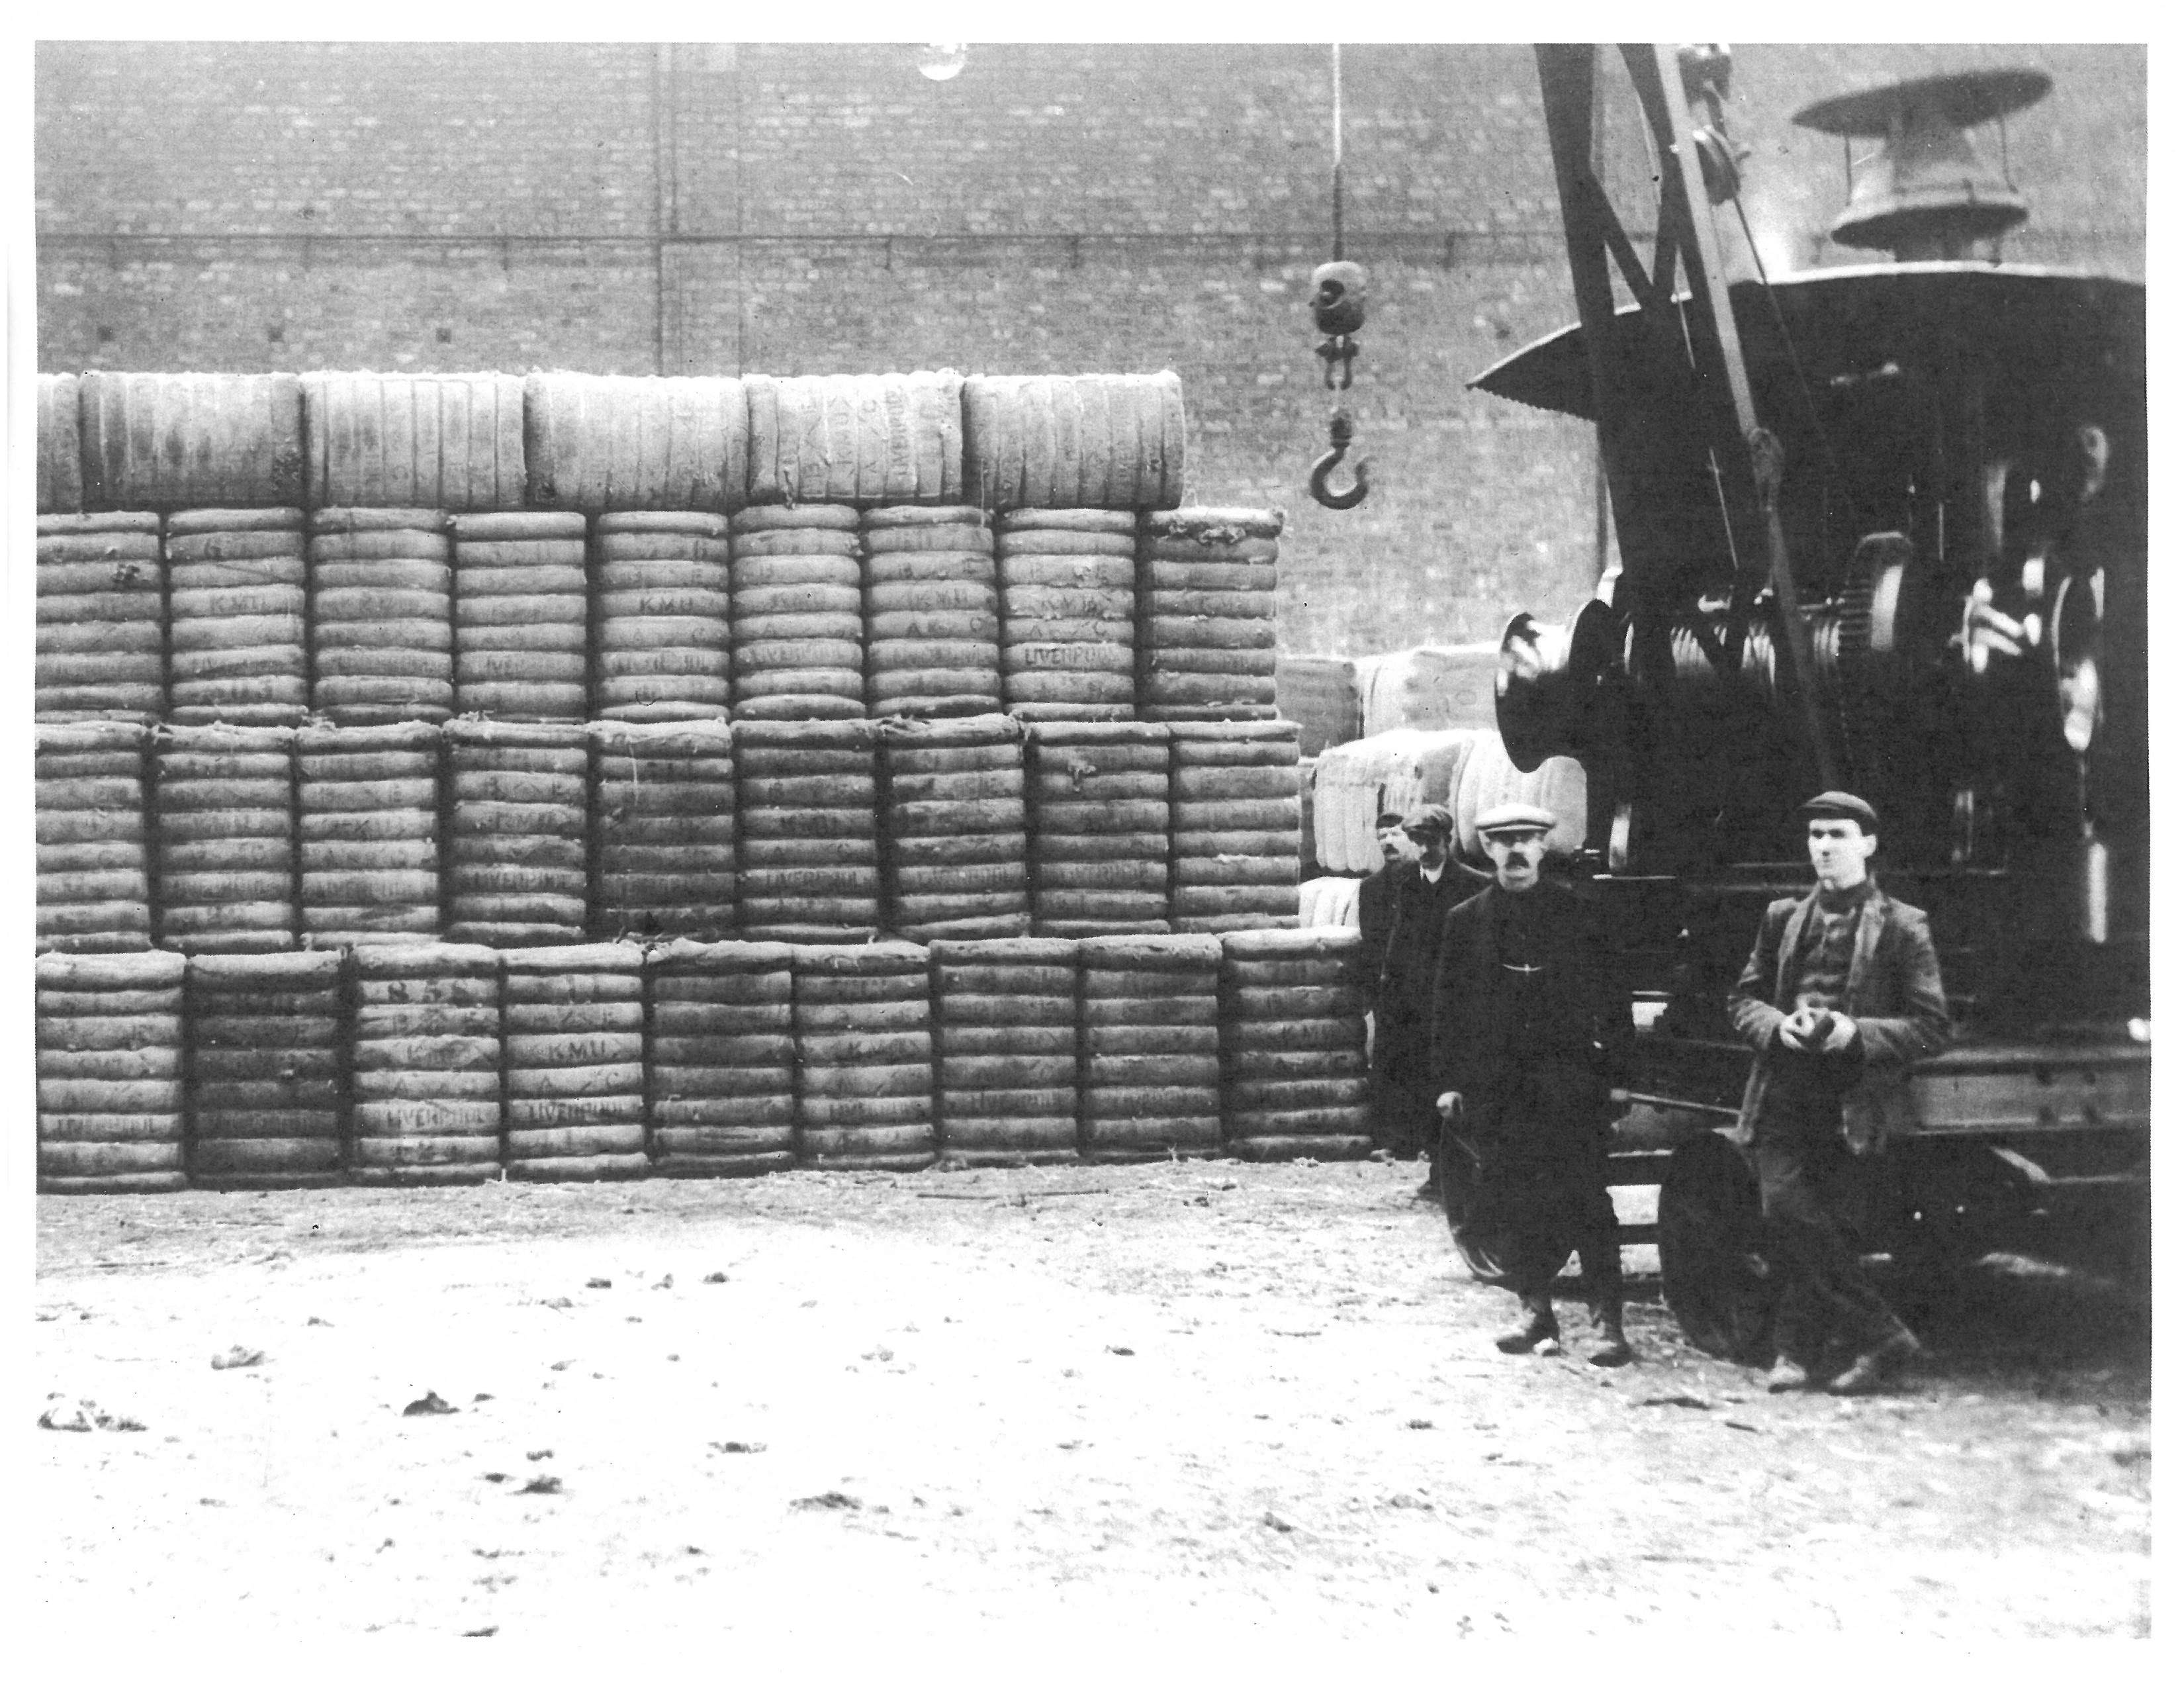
(1532, 1038)
(1843, 991)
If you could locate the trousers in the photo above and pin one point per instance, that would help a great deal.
(1798, 1155)
(1541, 1189)
(1405, 1121)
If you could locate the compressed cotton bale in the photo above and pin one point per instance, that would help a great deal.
(664, 827)
(855, 439)
(930, 609)
(522, 615)
(1236, 824)
(173, 441)
(93, 857)
(514, 789)
(573, 1029)
(1068, 615)
(807, 830)
(269, 1047)
(1488, 778)
(369, 804)
(635, 442)
(102, 617)
(224, 827)
(796, 613)
(1098, 817)
(247, 604)
(382, 616)
(953, 828)
(1207, 578)
(864, 1044)
(1149, 1050)
(661, 617)
(1004, 1050)
(1322, 694)
(1294, 1075)
(1428, 687)
(413, 441)
(721, 1058)
(426, 1054)
(1102, 442)
(60, 445)
(117, 1133)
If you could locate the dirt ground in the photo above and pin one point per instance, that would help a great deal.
(1187, 1397)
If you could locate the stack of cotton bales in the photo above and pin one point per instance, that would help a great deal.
(1149, 1032)
(1005, 1034)
(664, 827)
(864, 1049)
(796, 615)
(1068, 598)
(953, 828)
(807, 800)
(1237, 819)
(269, 1038)
(933, 630)
(235, 607)
(1099, 816)
(1205, 607)
(110, 1084)
(573, 1017)
(224, 826)
(102, 618)
(518, 810)
(426, 1064)
(721, 1058)
(368, 800)
(94, 863)
(662, 620)
(383, 616)
(1293, 1045)
(522, 615)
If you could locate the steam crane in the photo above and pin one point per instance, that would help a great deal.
(1882, 526)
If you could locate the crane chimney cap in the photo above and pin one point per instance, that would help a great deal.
(1963, 99)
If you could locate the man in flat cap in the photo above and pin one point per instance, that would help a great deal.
(1376, 910)
(1842, 992)
(1533, 1038)
(1419, 895)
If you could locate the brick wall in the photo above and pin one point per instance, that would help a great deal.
(628, 208)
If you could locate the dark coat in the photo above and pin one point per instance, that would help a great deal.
(1472, 1025)
(1402, 995)
(1376, 918)
(1894, 994)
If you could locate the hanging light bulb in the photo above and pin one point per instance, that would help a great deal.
(939, 61)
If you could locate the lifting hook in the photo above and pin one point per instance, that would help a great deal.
(1340, 431)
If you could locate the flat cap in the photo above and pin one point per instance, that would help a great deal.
(1840, 805)
(1430, 817)
(1389, 818)
(1509, 820)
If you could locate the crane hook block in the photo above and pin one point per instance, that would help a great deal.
(1339, 432)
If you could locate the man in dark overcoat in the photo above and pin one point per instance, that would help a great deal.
(1533, 1041)
(1842, 992)
(1376, 910)
(1419, 895)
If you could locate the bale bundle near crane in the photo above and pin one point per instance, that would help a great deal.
(268, 1046)
(932, 629)
(807, 830)
(383, 616)
(953, 838)
(1099, 816)
(1005, 1039)
(573, 1017)
(1487, 778)
(102, 611)
(425, 1088)
(662, 615)
(796, 614)
(1083, 442)
(224, 828)
(60, 446)
(368, 800)
(413, 442)
(1205, 607)
(1068, 594)
(181, 442)
(1233, 788)
(110, 1082)
(522, 615)
(864, 1051)
(1148, 1047)
(856, 439)
(1293, 1045)
(634, 443)
(518, 803)
(721, 1058)
(94, 859)
(663, 829)
(235, 617)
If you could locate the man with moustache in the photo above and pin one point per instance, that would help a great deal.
(1420, 894)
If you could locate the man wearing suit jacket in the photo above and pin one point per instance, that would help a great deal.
(1419, 895)
(1532, 1039)
(1376, 911)
(1842, 992)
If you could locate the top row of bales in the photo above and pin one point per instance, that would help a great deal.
(563, 441)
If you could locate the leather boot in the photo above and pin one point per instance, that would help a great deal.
(1606, 1344)
(1786, 1376)
(1873, 1368)
(1538, 1335)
